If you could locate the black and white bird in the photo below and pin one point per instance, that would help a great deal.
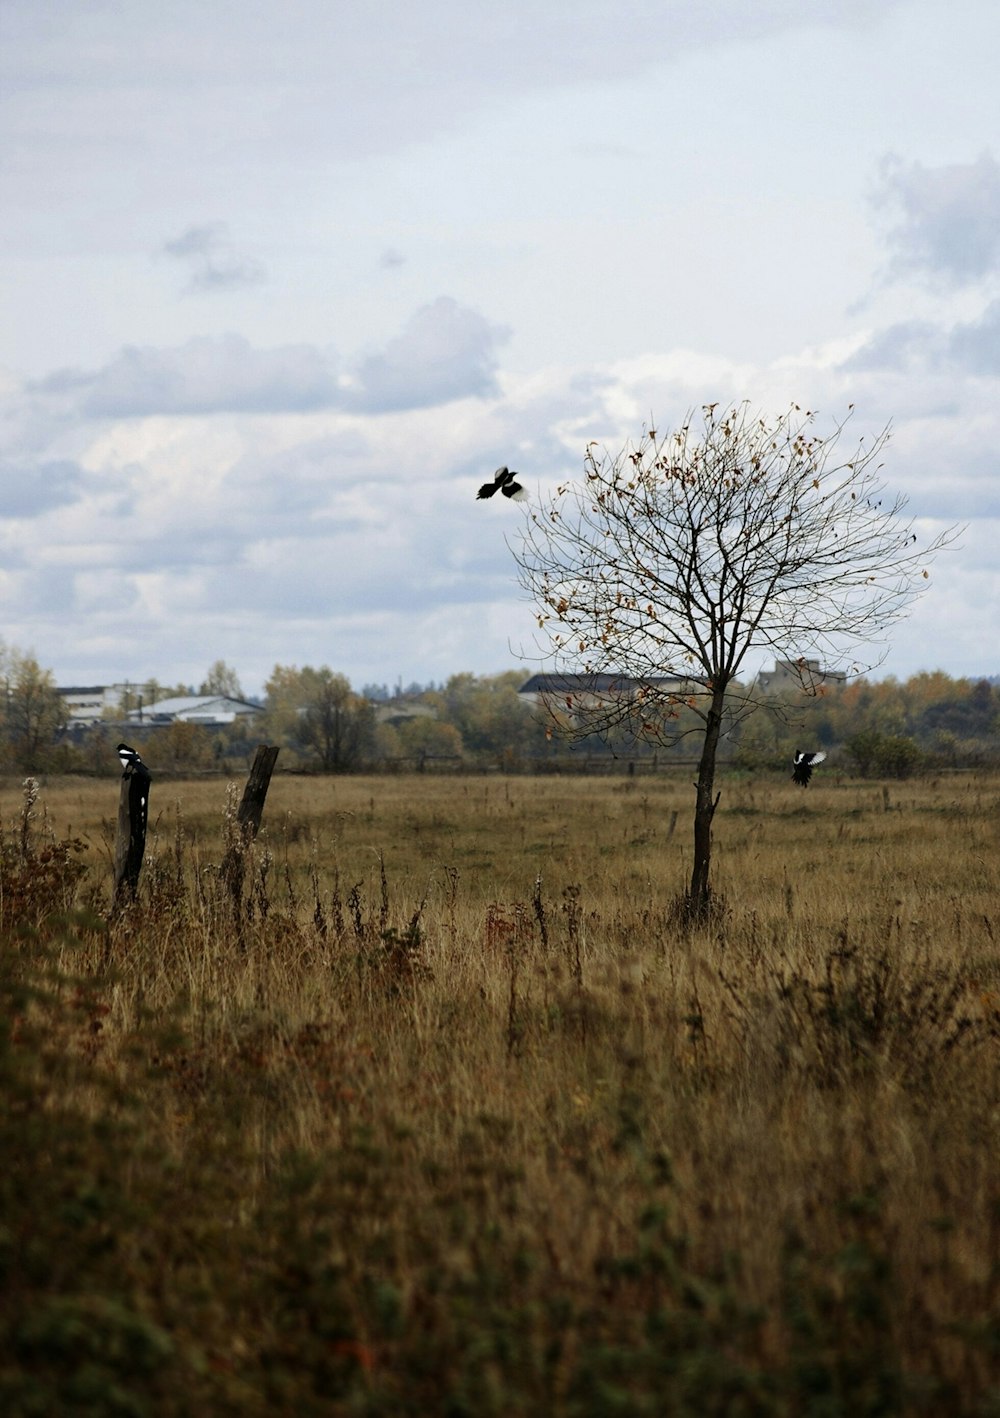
(803, 765)
(129, 757)
(503, 481)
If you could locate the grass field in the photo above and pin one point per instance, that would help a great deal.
(449, 1115)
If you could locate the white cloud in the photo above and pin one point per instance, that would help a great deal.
(204, 375)
(354, 537)
(444, 352)
(946, 219)
(664, 204)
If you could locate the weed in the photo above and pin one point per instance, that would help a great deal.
(368, 1145)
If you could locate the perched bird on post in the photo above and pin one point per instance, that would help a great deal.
(133, 813)
(129, 757)
(503, 481)
(803, 765)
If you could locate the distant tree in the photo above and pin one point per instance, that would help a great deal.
(154, 692)
(181, 746)
(953, 722)
(676, 558)
(423, 738)
(284, 702)
(945, 747)
(489, 715)
(386, 747)
(33, 710)
(317, 711)
(972, 711)
(222, 679)
(933, 687)
(337, 723)
(880, 755)
(97, 751)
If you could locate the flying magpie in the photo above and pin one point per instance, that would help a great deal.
(129, 757)
(503, 481)
(803, 765)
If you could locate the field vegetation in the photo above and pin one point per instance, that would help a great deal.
(449, 1114)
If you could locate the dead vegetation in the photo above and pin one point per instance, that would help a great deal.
(448, 1115)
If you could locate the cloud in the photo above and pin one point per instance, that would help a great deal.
(947, 219)
(969, 347)
(29, 489)
(975, 346)
(212, 261)
(908, 344)
(346, 80)
(205, 375)
(446, 351)
(358, 541)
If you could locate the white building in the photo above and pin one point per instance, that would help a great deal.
(89, 704)
(207, 710)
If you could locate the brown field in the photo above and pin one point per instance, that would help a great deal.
(452, 1117)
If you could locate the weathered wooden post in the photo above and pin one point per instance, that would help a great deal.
(251, 809)
(133, 814)
(248, 817)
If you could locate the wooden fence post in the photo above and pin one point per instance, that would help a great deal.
(130, 841)
(248, 817)
(251, 809)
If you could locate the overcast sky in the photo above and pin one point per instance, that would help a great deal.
(283, 283)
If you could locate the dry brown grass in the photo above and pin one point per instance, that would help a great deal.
(458, 1119)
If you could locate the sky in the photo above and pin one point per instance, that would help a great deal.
(283, 283)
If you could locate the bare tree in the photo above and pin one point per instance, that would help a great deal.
(660, 571)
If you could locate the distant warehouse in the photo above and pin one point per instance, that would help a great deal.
(209, 711)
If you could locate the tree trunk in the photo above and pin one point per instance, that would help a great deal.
(700, 892)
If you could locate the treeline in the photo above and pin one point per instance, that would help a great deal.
(470, 721)
(884, 728)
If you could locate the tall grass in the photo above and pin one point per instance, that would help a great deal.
(447, 1115)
